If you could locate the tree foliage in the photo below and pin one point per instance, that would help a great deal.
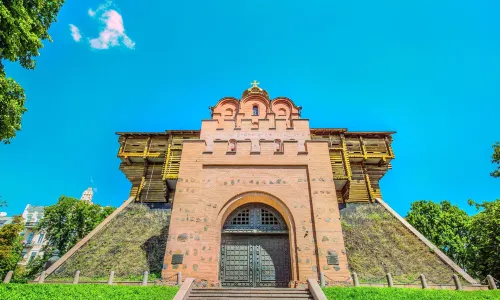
(69, 220)
(473, 242)
(495, 158)
(485, 239)
(24, 26)
(445, 225)
(10, 245)
(11, 108)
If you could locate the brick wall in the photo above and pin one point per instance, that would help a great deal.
(213, 183)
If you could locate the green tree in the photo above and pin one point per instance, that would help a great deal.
(36, 265)
(69, 220)
(445, 225)
(484, 252)
(65, 223)
(10, 245)
(495, 158)
(23, 27)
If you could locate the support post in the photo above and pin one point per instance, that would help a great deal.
(145, 278)
(491, 282)
(77, 277)
(389, 280)
(8, 277)
(179, 278)
(322, 279)
(111, 277)
(424, 281)
(355, 278)
(42, 278)
(458, 284)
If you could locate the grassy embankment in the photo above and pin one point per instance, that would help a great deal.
(130, 244)
(377, 244)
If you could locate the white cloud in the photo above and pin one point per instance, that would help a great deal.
(75, 33)
(113, 33)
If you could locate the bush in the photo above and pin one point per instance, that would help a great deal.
(84, 291)
(402, 293)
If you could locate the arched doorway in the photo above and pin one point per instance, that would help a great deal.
(255, 248)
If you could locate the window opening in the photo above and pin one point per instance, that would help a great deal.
(255, 110)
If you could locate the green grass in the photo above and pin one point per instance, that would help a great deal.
(84, 291)
(151, 277)
(130, 244)
(363, 293)
(377, 244)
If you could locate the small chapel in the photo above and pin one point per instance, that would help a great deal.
(257, 189)
(256, 198)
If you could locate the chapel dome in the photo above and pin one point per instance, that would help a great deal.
(255, 89)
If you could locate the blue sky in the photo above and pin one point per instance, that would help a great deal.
(426, 69)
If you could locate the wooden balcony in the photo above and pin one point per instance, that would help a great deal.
(139, 149)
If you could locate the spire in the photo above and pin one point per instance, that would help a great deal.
(87, 195)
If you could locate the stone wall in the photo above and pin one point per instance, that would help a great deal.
(298, 184)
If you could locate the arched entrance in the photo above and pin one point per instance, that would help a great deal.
(255, 248)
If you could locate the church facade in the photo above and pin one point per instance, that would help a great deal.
(255, 193)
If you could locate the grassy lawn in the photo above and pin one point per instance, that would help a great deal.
(84, 291)
(402, 293)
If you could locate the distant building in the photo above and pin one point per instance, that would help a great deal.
(33, 240)
(4, 219)
(87, 195)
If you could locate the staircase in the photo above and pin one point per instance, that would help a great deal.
(250, 293)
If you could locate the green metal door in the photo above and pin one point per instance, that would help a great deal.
(255, 249)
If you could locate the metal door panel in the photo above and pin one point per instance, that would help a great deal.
(237, 261)
(255, 261)
(272, 261)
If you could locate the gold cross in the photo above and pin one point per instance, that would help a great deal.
(255, 83)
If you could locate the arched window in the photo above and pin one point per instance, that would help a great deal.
(228, 112)
(278, 146)
(282, 112)
(232, 146)
(255, 217)
(255, 110)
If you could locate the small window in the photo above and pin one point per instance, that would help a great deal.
(282, 112)
(30, 238)
(255, 110)
(268, 218)
(32, 256)
(232, 146)
(243, 218)
(40, 238)
(228, 112)
(278, 146)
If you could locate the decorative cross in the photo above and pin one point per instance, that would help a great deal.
(255, 83)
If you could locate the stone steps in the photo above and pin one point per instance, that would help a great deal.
(250, 293)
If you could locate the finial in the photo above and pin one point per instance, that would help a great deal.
(255, 83)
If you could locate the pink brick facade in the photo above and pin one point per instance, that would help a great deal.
(265, 158)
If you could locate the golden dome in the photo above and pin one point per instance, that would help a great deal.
(255, 89)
